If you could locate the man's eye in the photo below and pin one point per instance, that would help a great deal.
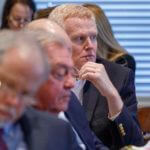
(93, 37)
(79, 40)
(59, 74)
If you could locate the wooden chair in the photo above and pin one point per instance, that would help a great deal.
(144, 119)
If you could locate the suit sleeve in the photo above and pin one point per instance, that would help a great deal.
(127, 123)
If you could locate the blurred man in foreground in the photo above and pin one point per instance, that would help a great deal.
(23, 68)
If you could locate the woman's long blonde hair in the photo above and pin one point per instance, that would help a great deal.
(108, 47)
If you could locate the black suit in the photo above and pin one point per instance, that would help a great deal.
(124, 129)
(78, 120)
(43, 131)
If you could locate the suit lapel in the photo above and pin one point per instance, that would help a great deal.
(95, 106)
(25, 126)
(94, 103)
(36, 138)
(76, 125)
(76, 117)
(31, 130)
(90, 98)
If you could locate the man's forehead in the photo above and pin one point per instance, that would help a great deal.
(18, 81)
(77, 21)
(80, 25)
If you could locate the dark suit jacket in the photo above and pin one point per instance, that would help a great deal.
(78, 120)
(124, 130)
(42, 131)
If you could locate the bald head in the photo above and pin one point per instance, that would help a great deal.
(52, 28)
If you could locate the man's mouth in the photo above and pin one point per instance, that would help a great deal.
(89, 57)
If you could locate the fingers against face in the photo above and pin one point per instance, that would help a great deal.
(91, 71)
(97, 74)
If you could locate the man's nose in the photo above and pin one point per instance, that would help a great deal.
(69, 81)
(88, 44)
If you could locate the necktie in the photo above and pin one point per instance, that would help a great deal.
(3, 145)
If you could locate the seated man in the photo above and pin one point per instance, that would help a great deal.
(20, 78)
(54, 95)
(106, 90)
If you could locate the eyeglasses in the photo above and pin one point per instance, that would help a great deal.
(10, 90)
(61, 71)
(23, 21)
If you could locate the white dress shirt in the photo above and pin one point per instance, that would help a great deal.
(78, 89)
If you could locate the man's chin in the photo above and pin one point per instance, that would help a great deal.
(64, 102)
(64, 107)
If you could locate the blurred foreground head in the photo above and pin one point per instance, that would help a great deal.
(23, 67)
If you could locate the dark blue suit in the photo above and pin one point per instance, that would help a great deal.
(124, 130)
(42, 131)
(78, 120)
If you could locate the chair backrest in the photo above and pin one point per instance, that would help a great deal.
(144, 118)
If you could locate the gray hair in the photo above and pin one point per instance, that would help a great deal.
(48, 31)
(16, 39)
(65, 11)
(27, 43)
(44, 37)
